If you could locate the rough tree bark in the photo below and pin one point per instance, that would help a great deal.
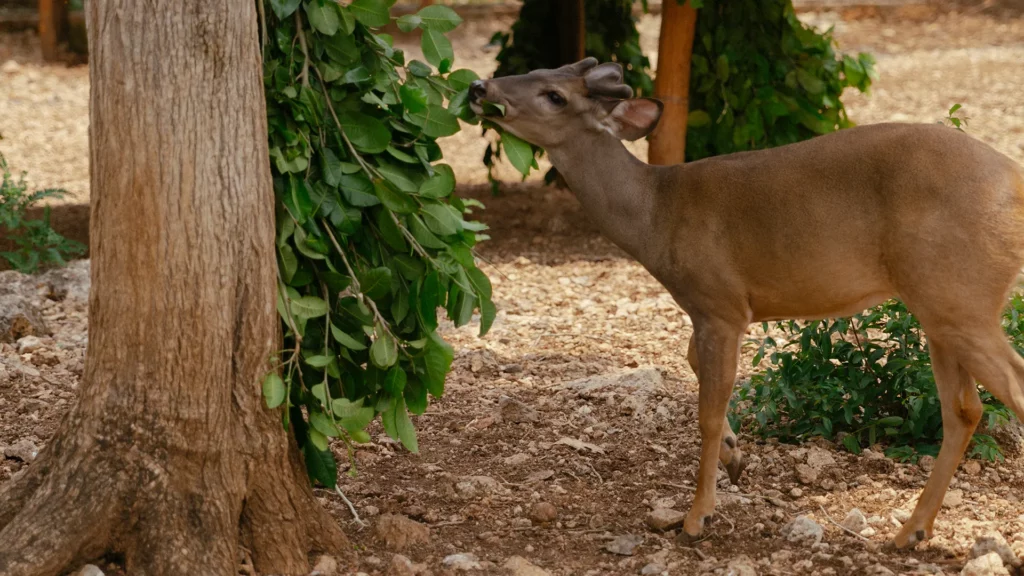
(169, 458)
(672, 82)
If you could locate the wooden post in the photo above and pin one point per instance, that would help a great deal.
(52, 27)
(672, 83)
(572, 31)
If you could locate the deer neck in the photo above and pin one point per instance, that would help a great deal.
(618, 192)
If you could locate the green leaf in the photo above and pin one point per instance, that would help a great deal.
(342, 49)
(810, 82)
(492, 108)
(387, 420)
(480, 282)
(358, 190)
(439, 18)
(488, 312)
(437, 359)
(518, 152)
(320, 464)
(393, 199)
(331, 167)
(404, 428)
(461, 79)
(284, 8)
(427, 303)
(390, 231)
(414, 98)
(323, 16)
(409, 22)
(441, 184)
(345, 340)
(273, 390)
(722, 67)
(423, 235)
(436, 47)
(419, 69)
(698, 118)
(436, 122)
(318, 439)
(322, 423)
(319, 361)
(289, 263)
(384, 351)
(309, 307)
(410, 268)
(353, 416)
(371, 13)
(366, 133)
(890, 421)
(394, 381)
(404, 178)
(356, 75)
(415, 396)
(439, 219)
(376, 282)
(851, 443)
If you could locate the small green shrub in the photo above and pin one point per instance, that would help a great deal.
(36, 244)
(860, 380)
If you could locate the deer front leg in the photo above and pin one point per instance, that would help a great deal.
(717, 348)
(729, 453)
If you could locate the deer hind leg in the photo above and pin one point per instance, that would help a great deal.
(729, 453)
(961, 412)
(717, 347)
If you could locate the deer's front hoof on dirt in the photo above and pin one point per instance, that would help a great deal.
(693, 532)
(909, 536)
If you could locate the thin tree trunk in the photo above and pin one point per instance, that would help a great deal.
(53, 16)
(169, 458)
(672, 83)
(572, 31)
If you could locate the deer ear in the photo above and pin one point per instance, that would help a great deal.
(634, 119)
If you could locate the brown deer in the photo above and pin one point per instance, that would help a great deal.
(817, 229)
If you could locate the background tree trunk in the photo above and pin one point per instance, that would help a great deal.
(672, 82)
(170, 458)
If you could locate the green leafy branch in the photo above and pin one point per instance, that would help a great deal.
(371, 240)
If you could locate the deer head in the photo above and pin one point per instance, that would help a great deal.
(550, 107)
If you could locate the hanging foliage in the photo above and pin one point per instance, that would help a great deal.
(760, 78)
(371, 241)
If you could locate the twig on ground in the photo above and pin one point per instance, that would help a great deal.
(449, 523)
(351, 508)
(844, 528)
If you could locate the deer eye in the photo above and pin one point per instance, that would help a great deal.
(556, 98)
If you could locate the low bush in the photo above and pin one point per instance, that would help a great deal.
(860, 381)
(36, 244)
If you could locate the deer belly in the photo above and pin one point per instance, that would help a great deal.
(823, 293)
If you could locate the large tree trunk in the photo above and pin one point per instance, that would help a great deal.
(672, 83)
(170, 459)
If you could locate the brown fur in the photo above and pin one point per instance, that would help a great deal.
(821, 228)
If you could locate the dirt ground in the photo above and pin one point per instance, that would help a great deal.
(519, 427)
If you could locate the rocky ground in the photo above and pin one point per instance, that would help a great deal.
(567, 440)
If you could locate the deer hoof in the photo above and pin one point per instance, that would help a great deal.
(910, 540)
(735, 469)
(686, 539)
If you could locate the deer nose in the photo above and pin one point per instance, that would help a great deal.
(477, 91)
